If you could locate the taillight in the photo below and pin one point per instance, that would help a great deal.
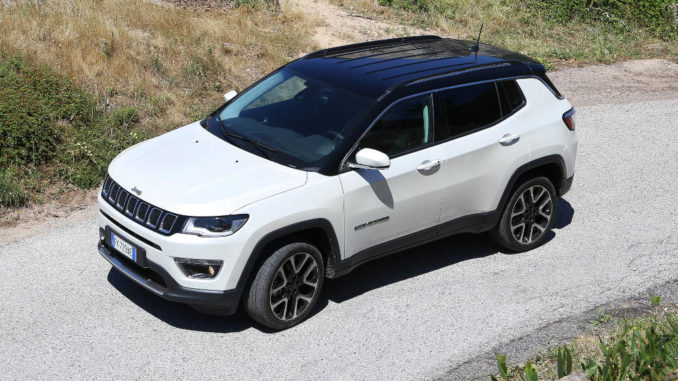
(568, 118)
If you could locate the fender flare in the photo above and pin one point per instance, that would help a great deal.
(523, 169)
(258, 253)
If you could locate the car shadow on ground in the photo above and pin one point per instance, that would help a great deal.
(373, 275)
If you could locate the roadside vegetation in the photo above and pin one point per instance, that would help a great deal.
(81, 80)
(644, 348)
(555, 32)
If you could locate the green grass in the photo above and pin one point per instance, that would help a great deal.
(51, 129)
(554, 32)
(82, 80)
(643, 348)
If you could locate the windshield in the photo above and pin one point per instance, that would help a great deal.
(291, 119)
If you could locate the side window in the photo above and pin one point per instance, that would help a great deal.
(406, 126)
(468, 108)
(512, 97)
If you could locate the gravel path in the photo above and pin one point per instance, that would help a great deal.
(418, 314)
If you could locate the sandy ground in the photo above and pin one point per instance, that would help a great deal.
(341, 26)
(626, 82)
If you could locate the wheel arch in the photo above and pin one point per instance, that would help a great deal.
(318, 232)
(552, 167)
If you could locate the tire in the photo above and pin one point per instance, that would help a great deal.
(532, 204)
(291, 277)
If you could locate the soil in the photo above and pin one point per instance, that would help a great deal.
(341, 26)
(625, 82)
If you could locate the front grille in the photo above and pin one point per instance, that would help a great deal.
(168, 222)
(154, 218)
(139, 211)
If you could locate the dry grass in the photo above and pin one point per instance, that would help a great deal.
(513, 25)
(172, 64)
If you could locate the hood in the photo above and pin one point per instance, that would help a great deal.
(192, 172)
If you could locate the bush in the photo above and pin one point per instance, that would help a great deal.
(655, 15)
(49, 126)
(37, 108)
(11, 193)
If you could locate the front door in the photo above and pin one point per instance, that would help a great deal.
(383, 205)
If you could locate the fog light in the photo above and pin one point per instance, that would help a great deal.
(199, 268)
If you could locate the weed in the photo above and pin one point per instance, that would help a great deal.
(602, 318)
(645, 348)
(11, 193)
(655, 300)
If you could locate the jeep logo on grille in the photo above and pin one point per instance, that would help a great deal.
(137, 191)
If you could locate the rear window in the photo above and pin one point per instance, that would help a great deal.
(468, 108)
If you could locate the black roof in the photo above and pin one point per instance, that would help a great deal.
(376, 68)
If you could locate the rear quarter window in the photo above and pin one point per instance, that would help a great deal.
(512, 98)
(467, 109)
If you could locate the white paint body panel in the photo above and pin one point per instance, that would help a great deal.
(477, 168)
(191, 172)
(408, 198)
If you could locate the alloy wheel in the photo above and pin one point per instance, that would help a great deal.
(294, 286)
(531, 214)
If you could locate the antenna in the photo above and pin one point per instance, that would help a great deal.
(475, 48)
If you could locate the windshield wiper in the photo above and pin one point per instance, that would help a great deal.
(256, 144)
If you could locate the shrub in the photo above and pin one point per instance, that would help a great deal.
(37, 107)
(47, 122)
(11, 193)
(655, 15)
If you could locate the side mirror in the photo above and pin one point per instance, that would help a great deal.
(368, 158)
(230, 95)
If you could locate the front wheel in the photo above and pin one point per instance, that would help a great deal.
(287, 286)
(527, 217)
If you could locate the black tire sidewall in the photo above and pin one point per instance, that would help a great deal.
(502, 234)
(257, 301)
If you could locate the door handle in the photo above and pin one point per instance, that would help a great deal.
(428, 165)
(509, 139)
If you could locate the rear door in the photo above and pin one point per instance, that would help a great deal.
(481, 133)
(389, 204)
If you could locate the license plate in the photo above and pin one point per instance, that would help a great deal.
(124, 247)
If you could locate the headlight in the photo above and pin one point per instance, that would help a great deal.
(214, 226)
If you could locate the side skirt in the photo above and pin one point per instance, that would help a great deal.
(475, 223)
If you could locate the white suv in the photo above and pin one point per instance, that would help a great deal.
(337, 158)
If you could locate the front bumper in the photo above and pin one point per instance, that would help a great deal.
(156, 280)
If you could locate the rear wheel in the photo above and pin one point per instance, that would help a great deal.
(527, 217)
(287, 286)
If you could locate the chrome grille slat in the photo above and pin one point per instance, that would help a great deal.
(142, 211)
(168, 222)
(137, 210)
(107, 185)
(154, 218)
(131, 206)
(122, 200)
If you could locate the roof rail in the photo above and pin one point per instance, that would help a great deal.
(370, 44)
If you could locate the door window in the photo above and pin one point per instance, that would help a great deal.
(468, 109)
(405, 127)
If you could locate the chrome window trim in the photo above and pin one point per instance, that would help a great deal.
(342, 164)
